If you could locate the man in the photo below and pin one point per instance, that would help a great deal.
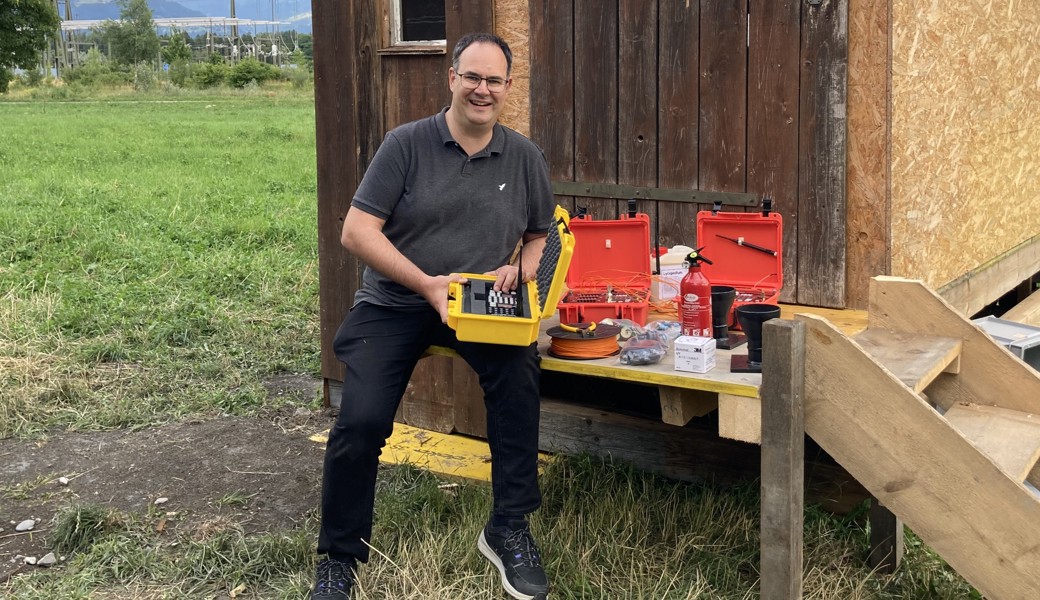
(452, 193)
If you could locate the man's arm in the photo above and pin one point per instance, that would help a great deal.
(363, 237)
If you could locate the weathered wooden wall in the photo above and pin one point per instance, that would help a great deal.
(703, 96)
(965, 138)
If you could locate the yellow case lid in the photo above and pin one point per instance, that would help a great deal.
(559, 248)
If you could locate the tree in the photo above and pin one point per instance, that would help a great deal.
(24, 28)
(177, 50)
(133, 38)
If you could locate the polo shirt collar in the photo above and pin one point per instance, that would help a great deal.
(498, 137)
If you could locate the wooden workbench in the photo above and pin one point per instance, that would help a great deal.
(684, 395)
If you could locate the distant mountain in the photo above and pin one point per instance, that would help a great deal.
(110, 10)
(297, 13)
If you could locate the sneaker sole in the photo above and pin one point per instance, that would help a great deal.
(490, 554)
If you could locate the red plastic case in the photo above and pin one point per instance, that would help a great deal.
(758, 275)
(609, 275)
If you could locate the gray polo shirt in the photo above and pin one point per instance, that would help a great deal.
(448, 212)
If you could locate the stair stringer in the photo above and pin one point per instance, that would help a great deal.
(989, 373)
(982, 522)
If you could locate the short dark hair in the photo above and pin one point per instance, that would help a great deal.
(482, 38)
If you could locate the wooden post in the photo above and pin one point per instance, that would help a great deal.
(783, 455)
(886, 539)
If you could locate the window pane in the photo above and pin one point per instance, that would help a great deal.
(422, 20)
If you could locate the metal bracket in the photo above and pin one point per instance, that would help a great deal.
(617, 191)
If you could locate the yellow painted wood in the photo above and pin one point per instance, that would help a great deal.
(914, 359)
(1009, 437)
(448, 455)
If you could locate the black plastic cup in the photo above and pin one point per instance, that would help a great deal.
(751, 317)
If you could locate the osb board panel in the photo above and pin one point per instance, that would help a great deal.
(513, 25)
(965, 134)
(867, 218)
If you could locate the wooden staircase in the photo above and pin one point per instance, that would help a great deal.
(941, 424)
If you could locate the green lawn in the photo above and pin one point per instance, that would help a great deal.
(157, 258)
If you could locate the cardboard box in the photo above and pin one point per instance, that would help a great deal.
(694, 354)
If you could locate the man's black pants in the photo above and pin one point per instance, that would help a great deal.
(380, 347)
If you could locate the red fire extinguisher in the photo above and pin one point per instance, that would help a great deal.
(695, 298)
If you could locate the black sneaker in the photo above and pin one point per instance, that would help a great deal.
(516, 556)
(335, 579)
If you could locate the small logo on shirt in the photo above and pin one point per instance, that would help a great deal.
(501, 187)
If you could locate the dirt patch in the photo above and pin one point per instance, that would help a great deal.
(262, 473)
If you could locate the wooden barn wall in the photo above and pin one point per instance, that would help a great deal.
(965, 136)
(703, 96)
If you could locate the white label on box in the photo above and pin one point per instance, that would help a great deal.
(694, 354)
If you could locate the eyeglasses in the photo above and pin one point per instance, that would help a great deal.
(472, 82)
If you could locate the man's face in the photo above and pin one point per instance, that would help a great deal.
(479, 106)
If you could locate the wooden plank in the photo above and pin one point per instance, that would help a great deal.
(637, 94)
(552, 86)
(774, 29)
(869, 139)
(821, 206)
(914, 359)
(465, 16)
(416, 87)
(679, 406)
(334, 87)
(955, 499)
(740, 418)
(886, 539)
(596, 99)
(429, 401)
(723, 95)
(1010, 438)
(678, 88)
(984, 284)
(470, 412)
(1026, 311)
(783, 460)
(691, 453)
(988, 375)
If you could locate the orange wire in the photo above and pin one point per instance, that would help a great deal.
(584, 348)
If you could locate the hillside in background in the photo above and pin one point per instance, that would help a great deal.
(294, 12)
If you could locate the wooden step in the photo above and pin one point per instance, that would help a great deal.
(914, 359)
(1011, 439)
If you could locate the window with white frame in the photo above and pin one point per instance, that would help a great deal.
(417, 23)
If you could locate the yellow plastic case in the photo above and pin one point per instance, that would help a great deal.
(541, 295)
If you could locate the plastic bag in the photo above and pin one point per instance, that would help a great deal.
(645, 345)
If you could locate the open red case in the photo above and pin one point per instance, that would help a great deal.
(609, 274)
(746, 250)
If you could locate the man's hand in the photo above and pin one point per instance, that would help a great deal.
(506, 278)
(435, 290)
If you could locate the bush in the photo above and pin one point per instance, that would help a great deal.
(298, 77)
(251, 69)
(96, 71)
(31, 77)
(144, 77)
(180, 72)
(5, 79)
(210, 74)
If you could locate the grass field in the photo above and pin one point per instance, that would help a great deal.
(158, 263)
(157, 259)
